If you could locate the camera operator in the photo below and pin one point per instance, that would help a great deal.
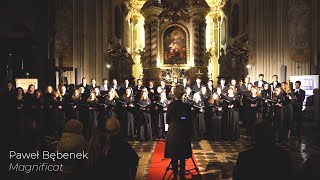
(178, 140)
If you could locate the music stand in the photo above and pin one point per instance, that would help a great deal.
(186, 170)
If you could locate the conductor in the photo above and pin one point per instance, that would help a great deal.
(178, 139)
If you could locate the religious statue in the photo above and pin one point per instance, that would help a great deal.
(224, 64)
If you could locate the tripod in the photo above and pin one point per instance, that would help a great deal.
(186, 170)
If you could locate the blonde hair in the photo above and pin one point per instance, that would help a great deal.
(55, 92)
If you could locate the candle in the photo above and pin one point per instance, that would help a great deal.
(22, 64)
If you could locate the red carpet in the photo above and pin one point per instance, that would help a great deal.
(158, 164)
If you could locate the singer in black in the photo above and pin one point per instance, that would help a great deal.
(127, 103)
(266, 96)
(214, 112)
(299, 96)
(145, 108)
(254, 110)
(278, 121)
(231, 116)
(178, 139)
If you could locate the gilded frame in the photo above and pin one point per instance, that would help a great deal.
(185, 65)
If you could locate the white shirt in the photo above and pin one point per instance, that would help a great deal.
(259, 83)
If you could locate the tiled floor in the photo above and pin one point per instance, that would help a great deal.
(216, 159)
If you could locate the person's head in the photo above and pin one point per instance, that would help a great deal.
(81, 89)
(92, 96)
(230, 92)
(144, 93)
(63, 89)
(261, 76)
(255, 90)
(219, 90)
(275, 78)
(162, 83)
(114, 82)
(10, 86)
(99, 144)
(263, 133)
(128, 92)
(49, 89)
(222, 81)
(277, 91)
(210, 83)
(179, 92)
(297, 84)
(19, 91)
(38, 93)
(84, 80)
(93, 81)
(198, 80)
(112, 127)
(184, 80)
(159, 89)
(97, 91)
(188, 90)
(111, 93)
(283, 86)
(126, 82)
(31, 89)
(215, 96)
(73, 126)
(249, 87)
(266, 86)
(76, 93)
(247, 80)
(203, 90)
(56, 94)
(105, 81)
(196, 97)
(151, 83)
(139, 82)
(233, 82)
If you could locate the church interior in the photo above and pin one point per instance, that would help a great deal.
(166, 43)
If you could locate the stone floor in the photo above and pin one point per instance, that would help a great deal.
(216, 159)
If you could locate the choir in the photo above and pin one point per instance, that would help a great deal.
(217, 112)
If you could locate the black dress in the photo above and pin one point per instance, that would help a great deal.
(215, 118)
(199, 125)
(39, 113)
(254, 112)
(58, 116)
(161, 119)
(288, 110)
(128, 109)
(278, 121)
(231, 118)
(267, 111)
(145, 107)
(92, 120)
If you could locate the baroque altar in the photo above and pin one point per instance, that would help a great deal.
(175, 40)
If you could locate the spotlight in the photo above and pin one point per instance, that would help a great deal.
(10, 54)
(108, 66)
(248, 66)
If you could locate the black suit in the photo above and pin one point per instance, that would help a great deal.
(299, 96)
(275, 86)
(196, 88)
(86, 87)
(256, 83)
(116, 87)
